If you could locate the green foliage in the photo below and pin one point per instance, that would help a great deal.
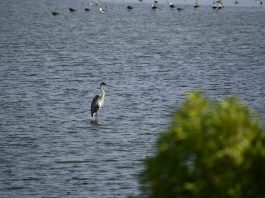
(212, 149)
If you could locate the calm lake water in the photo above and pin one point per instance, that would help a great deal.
(51, 68)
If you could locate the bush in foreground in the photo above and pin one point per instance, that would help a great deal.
(212, 149)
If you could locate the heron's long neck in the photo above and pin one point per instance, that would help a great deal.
(102, 92)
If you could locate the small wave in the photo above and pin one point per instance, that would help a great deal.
(72, 162)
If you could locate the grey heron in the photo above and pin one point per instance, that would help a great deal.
(98, 101)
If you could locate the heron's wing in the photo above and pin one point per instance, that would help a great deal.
(95, 105)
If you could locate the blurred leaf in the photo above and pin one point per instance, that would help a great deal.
(211, 149)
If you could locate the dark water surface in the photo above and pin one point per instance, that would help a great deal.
(51, 67)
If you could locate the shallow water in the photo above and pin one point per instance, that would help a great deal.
(51, 68)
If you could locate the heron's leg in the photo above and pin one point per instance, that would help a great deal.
(96, 116)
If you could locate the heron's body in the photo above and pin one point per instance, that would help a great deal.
(98, 101)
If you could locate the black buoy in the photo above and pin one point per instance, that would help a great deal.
(129, 7)
(72, 10)
(171, 5)
(55, 13)
(180, 9)
(87, 9)
(154, 7)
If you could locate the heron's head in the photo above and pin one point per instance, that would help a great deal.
(104, 84)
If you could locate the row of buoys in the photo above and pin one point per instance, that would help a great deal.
(129, 7)
(171, 5)
(54, 13)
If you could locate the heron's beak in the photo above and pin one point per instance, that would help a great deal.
(109, 86)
